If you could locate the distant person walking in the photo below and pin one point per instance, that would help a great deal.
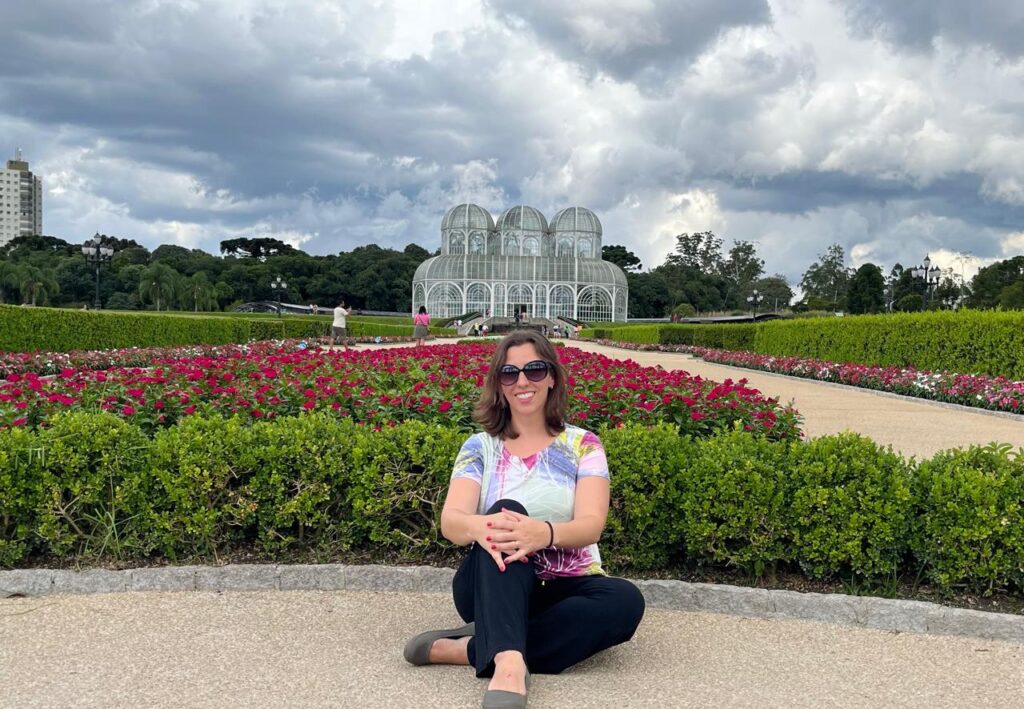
(421, 326)
(339, 328)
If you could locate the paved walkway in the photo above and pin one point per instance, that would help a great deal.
(914, 427)
(343, 649)
(300, 648)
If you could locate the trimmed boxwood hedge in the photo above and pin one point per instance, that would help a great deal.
(92, 486)
(63, 330)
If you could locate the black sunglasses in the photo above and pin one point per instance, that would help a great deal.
(534, 371)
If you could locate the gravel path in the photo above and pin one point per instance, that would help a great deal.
(308, 648)
(914, 427)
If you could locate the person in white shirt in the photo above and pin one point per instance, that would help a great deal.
(339, 329)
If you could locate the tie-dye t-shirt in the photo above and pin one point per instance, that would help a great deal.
(547, 488)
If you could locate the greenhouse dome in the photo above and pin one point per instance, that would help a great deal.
(521, 264)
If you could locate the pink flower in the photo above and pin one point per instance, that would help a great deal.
(127, 410)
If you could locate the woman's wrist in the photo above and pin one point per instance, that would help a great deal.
(551, 535)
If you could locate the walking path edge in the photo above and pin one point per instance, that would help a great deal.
(899, 616)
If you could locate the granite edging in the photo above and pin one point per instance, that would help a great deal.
(858, 611)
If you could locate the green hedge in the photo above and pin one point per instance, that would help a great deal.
(966, 341)
(63, 330)
(92, 487)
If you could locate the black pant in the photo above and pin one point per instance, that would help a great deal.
(554, 623)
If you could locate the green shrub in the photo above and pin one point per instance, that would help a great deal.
(734, 336)
(970, 518)
(850, 508)
(302, 481)
(399, 482)
(734, 500)
(20, 493)
(646, 465)
(202, 468)
(93, 487)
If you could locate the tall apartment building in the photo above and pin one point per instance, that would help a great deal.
(21, 201)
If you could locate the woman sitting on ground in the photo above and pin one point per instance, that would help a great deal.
(530, 496)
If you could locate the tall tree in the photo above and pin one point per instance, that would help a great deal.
(866, 293)
(157, 284)
(621, 257)
(989, 282)
(774, 291)
(741, 268)
(37, 285)
(828, 278)
(700, 250)
(649, 295)
(258, 248)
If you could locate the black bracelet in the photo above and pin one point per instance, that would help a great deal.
(551, 542)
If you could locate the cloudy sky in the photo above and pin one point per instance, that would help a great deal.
(894, 128)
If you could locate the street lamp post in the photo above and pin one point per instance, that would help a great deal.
(276, 285)
(98, 253)
(754, 298)
(930, 275)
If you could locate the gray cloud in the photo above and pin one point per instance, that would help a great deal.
(918, 23)
(638, 41)
(325, 124)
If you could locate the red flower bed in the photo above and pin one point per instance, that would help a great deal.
(379, 388)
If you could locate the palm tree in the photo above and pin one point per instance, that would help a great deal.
(10, 280)
(157, 283)
(201, 291)
(37, 285)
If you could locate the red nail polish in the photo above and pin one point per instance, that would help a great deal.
(525, 560)
(488, 538)
(494, 546)
(488, 524)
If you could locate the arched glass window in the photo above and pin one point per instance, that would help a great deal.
(564, 248)
(531, 247)
(519, 297)
(476, 243)
(583, 248)
(511, 246)
(540, 301)
(478, 297)
(499, 299)
(594, 304)
(494, 245)
(620, 307)
(457, 245)
(561, 302)
(419, 297)
(444, 301)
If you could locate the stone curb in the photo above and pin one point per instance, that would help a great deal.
(858, 611)
(837, 385)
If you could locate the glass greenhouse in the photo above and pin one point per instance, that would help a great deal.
(522, 263)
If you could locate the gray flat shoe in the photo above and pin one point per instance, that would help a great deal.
(502, 699)
(417, 650)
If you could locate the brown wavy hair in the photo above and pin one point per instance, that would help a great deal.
(492, 411)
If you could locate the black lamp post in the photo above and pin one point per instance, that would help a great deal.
(276, 285)
(98, 253)
(754, 298)
(930, 275)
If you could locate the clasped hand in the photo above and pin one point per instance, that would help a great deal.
(515, 535)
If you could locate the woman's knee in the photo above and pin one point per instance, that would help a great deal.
(507, 505)
(629, 605)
